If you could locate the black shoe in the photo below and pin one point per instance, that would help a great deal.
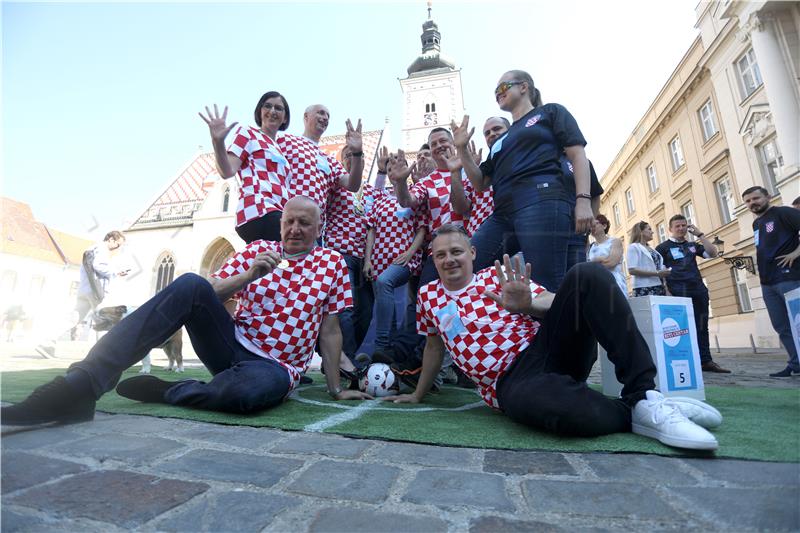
(712, 366)
(56, 401)
(386, 356)
(305, 380)
(785, 373)
(147, 388)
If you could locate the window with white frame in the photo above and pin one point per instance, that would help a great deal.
(727, 204)
(661, 231)
(687, 210)
(749, 74)
(742, 291)
(676, 153)
(771, 163)
(652, 179)
(226, 198)
(617, 216)
(706, 114)
(629, 202)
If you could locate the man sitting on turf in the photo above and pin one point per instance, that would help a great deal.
(530, 351)
(290, 293)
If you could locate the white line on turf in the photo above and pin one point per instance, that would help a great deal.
(378, 405)
(339, 418)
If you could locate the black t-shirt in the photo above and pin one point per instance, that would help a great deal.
(775, 234)
(681, 258)
(525, 164)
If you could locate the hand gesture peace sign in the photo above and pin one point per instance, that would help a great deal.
(216, 123)
(353, 136)
(399, 169)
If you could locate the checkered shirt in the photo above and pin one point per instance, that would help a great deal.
(482, 208)
(346, 224)
(279, 315)
(263, 176)
(314, 173)
(484, 338)
(395, 227)
(433, 193)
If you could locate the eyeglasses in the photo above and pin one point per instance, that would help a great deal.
(277, 107)
(504, 86)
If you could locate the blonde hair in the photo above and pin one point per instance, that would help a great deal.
(636, 232)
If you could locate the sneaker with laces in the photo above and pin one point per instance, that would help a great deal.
(56, 401)
(698, 412)
(655, 418)
(145, 388)
(785, 373)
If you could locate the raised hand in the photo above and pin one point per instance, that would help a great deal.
(461, 134)
(353, 136)
(453, 161)
(383, 159)
(420, 170)
(216, 123)
(515, 285)
(399, 169)
(477, 155)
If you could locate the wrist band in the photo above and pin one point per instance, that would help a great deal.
(583, 195)
(356, 154)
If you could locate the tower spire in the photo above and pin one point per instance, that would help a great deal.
(430, 4)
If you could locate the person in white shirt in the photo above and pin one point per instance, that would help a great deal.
(607, 251)
(645, 265)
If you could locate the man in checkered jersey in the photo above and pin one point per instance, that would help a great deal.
(530, 351)
(290, 294)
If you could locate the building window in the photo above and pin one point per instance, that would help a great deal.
(706, 114)
(727, 205)
(676, 152)
(771, 163)
(742, 292)
(749, 74)
(652, 179)
(226, 198)
(661, 230)
(430, 108)
(629, 202)
(617, 217)
(166, 272)
(687, 210)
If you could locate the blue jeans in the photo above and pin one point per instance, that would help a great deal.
(243, 382)
(779, 316)
(387, 282)
(355, 321)
(542, 231)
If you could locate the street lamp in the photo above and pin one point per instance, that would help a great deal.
(740, 262)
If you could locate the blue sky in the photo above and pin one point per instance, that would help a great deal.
(100, 100)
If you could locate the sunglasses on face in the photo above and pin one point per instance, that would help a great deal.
(505, 86)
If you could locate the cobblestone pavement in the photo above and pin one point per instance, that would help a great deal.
(124, 472)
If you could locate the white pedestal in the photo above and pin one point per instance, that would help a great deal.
(793, 308)
(667, 325)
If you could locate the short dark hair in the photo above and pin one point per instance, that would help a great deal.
(449, 229)
(676, 217)
(437, 130)
(755, 188)
(534, 94)
(425, 146)
(796, 201)
(116, 235)
(266, 96)
(602, 219)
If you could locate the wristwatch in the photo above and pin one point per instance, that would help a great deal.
(335, 392)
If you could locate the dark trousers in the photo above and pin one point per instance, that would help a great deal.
(267, 228)
(355, 320)
(700, 303)
(545, 387)
(243, 382)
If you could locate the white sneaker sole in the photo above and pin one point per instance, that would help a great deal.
(677, 442)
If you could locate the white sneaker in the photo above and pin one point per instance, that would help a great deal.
(655, 418)
(698, 412)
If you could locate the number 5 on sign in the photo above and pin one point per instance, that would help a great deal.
(681, 375)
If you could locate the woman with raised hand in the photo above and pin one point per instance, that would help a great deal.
(607, 251)
(645, 265)
(263, 171)
(533, 209)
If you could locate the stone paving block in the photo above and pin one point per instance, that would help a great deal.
(761, 509)
(346, 481)
(126, 499)
(232, 467)
(513, 462)
(590, 498)
(330, 445)
(336, 520)
(495, 524)
(138, 425)
(749, 473)
(646, 469)
(229, 511)
(31, 439)
(239, 436)
(134, 450)
(451, 488)
(22, 470)
(420, 454)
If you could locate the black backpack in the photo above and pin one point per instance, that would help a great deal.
(98, 292)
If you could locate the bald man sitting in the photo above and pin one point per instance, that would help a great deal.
(290, 294)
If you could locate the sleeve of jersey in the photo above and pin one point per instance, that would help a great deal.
(701, 251)
(337, 170)
(536, 290)
(425, 325)
(791, 217)
(565, 127)
(238, 264)
(340, 297)
(419, 191)
(595, 189)
(238, 145)
(469, 190)
(487, 167)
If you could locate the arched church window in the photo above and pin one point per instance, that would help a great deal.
(226, 198)
(166, 272)
(433, 107)
(427, 108)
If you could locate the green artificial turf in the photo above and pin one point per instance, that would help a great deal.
(760, 423)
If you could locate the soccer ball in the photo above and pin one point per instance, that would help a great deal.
(378, 380)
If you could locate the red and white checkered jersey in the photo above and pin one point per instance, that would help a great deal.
(279, 315)
(482, 337)
(482, 206)
(433, 193)
(263, 177)
(346, 224)
(395, 227)
(314, 173)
